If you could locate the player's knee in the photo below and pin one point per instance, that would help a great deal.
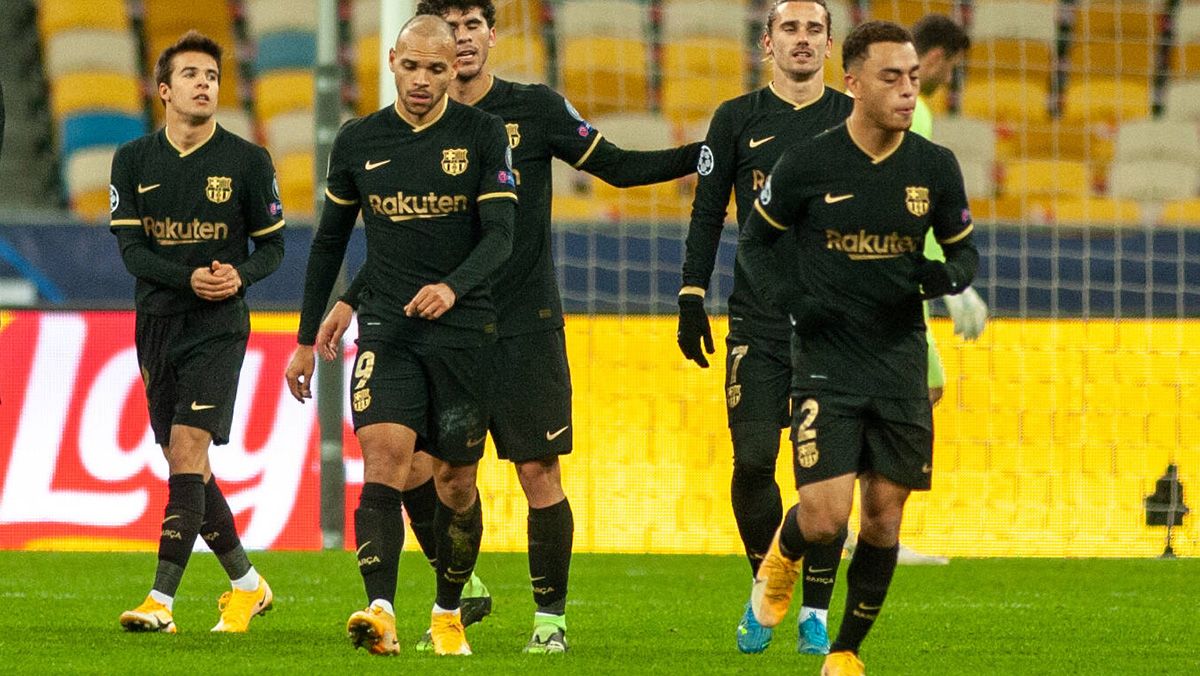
(881, 526)
(541, 481)
(755, 449)
(455, 485)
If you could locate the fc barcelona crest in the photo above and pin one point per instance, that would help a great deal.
(917, 200)
(219, 189)
(807, 454)
(733, 395)
(454, 160)
(514, 134)
(362, 400)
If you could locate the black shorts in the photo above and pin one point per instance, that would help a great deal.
(531, 417)
(834, 433)
(758, 377)
(441, 393)
(190, 366)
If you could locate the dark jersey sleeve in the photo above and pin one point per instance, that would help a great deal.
(627, 168)
(952, 224)
(126, 223)
(779, 207)
(571, 138)
(716, 170)
(497, 211)
(329, 242)
(264, 220)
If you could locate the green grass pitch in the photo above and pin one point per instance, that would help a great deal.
(627, 614)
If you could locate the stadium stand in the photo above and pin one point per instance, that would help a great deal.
(163, 21)
(703, 62)
(29, 166)
(604, 55)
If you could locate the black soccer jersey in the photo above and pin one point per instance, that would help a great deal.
(859, 225)
(176, 211)
(419, 190)
(745, 138)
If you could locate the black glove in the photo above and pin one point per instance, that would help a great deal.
(810, 316)
(933, 279)
(693, 326)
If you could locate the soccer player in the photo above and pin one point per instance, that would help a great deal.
(531, 423)
(433, 181)
(858, 220)
(186, 200)
(747, 135)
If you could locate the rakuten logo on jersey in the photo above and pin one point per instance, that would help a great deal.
(79, 459)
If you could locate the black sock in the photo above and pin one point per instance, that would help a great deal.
(458, 537)
(379, 537)
(220, 533)
(421, 504)
(791, 541)
(867, 579)
(551, 534)
(757, 505)
(820, 571)
(180, 526)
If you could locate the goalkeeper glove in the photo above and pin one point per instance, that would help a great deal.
(969, 313)
(810, 317)
(933, 279)
(693, 328)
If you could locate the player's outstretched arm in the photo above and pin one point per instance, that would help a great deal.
(628, 168)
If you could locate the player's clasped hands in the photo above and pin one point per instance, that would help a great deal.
(431, 302)
(216, 282)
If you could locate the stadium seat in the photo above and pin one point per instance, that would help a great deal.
(519, 57)
(663, 201)
(609, 18)
(286, 50)
(282, 91)
(1183, 100)
(704, 57)
(295, 172)
(969, 138)
(366, 73)
(59, 15)
(290, 132)
(92, 91)
(605, 74)
(1006, 100)
(1054, 140)
(89, 169)
(1154, 180)
(1158, 140)
(1002, 209)
(1014, 19)
(1085, 211)
(683, 19)
(906, 12)
(269, 16)
(1109, 100)
(1009, 58)
(978, 177)
(1181, 212)
(81, 49)
(237, 121)
(692, 99)
(1186, 55)
(1047, 178)
(87, 130)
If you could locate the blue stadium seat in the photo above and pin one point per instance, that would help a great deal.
(285, 50)
(99, 129)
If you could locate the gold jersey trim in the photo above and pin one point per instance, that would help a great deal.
(124, 222)
(875, 159)
(496, 195)
(198, 146)
(763, 212)
(477, 99)
(793, 104)
(692, 291)
(590, 149)
(419, 128)
(268, 230)
(957, 238)
(338, 200)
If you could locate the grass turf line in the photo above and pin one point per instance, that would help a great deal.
(627, 614)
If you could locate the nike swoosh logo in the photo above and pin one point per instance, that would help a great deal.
(926, 468)
(863, 606)
(456, 573)
(818, 571)
(476, 442)
(375, 165)
(756, 142)
(364, 546)
(830, 199)
(147, 188)
(202, 407)
(551, 436)
(539, 577)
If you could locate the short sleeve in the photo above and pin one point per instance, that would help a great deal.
(496, 180)
(571, 138)
(262, 207)
(339, 177)
(122, 190)
(950, 216)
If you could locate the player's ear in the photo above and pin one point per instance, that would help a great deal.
(491, 37)
(392, 59)
(164, 92)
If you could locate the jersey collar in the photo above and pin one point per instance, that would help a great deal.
(486, 92)
(416, 129)
(875, 159)
(198, 146)
(793, 104)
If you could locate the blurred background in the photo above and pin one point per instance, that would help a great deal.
(1075, 123)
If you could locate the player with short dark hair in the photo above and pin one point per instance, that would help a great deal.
(186, 201)
(434, 182)
(860, 404)
(531, 424)
(745, 138)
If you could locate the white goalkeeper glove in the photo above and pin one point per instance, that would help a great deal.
(969, 313)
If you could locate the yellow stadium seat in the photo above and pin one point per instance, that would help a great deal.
(95, 90)
(1006, 100)
(1104, 57)
(295, 172)
(1046, 177)
(1055, 140)
(1181, 212)
(1009, 58)
(91, 205)
(906, 12)
(60, 15)
(366, 74)
(1096, 211)
(1107, 100)
(602, 75)
(520, 57)
(704, 57)
(1003, 209)
(211, 17)
(1117, 19)
(282, 91)
(691, 99)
